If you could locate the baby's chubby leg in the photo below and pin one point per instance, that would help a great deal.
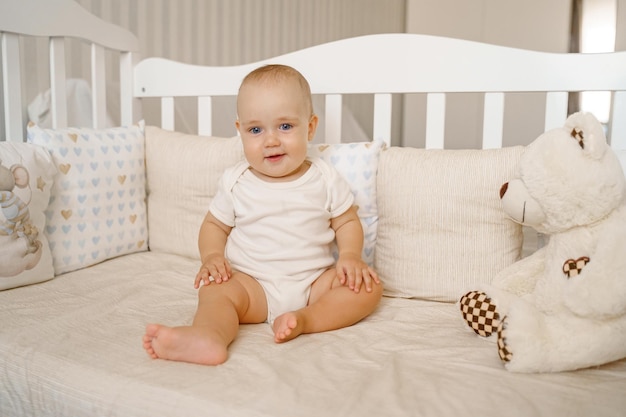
(331, 306)
(221, 307)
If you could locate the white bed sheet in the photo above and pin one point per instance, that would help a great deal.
(72, 347)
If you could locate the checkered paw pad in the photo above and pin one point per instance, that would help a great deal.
(573, 267)
(503, 350)
(479, 313)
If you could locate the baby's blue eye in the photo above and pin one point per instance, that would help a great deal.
(285, 126)
(255, 130)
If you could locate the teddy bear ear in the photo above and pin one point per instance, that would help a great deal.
(588, 132)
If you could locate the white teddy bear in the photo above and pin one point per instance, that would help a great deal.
(563, 307)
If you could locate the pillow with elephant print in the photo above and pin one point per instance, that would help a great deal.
(26, 178)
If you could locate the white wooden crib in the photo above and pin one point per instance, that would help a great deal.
(71, 345)
(380, 65)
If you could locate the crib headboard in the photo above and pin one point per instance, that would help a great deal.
(381, 65)
(409, 63)
(58, 20)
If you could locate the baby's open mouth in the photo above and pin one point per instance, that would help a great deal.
(274, 158)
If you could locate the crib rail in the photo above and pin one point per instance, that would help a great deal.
(432, 65)
(33, 18)
(371, 64)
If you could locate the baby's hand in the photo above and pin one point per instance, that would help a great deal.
(216, 267)
(354, 272)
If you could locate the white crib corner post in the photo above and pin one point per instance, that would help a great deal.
(12, 87)
(617, 128)
(58, 83)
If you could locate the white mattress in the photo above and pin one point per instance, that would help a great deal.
(72, 347)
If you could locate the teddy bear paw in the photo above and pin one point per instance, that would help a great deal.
(480, 313)
(503, 349)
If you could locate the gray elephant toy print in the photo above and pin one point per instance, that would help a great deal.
(19, 247)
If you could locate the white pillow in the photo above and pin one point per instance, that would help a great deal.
(97, 206)
(26, 177)
(357, 163)
(183, 171)
(441, 228)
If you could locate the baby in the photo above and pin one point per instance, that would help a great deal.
(265, 243)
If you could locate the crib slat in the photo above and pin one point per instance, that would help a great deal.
(58, 96)
(205, 122)
(382, 118)
(435, 120)
(617, 129)
(11, 84)
(126, 88)
(167, 113)
(556, 109)
(332, 132)
(493, 120)
(98, 86)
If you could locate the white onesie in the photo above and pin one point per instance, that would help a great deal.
(281, 232)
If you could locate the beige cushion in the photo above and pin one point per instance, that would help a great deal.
(182, 175)
(441, 229)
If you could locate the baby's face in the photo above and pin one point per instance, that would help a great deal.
(275, 124)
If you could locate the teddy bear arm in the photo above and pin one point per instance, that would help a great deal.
(596, 293)
(599, 289)
(521, 277)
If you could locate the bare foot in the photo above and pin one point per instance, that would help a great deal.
(185, 344)
(287, 326)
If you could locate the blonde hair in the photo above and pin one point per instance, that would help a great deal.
(278, 73)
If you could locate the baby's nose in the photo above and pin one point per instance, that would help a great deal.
(271, 139)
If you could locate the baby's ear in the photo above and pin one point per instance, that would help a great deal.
(313, 121)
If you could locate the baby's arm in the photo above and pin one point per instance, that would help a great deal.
(212, 242)
(351, 269)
